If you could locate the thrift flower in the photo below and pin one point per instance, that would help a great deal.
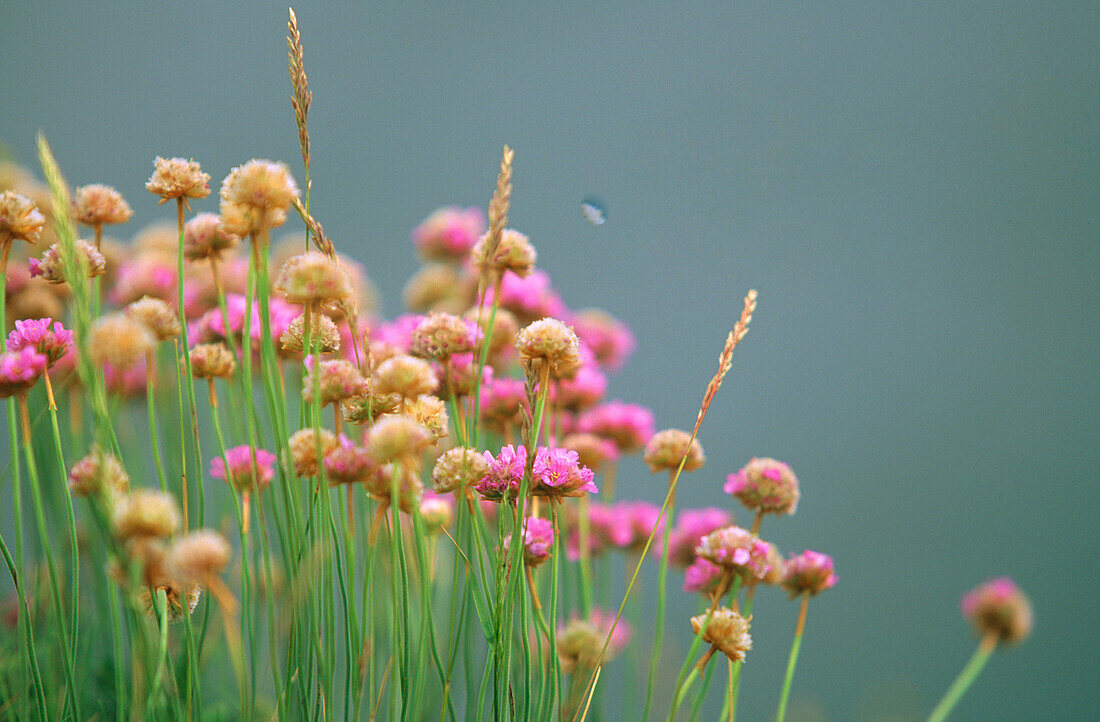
(178, 178)
(396, 438)
(610, 340)
(505, 473)
(437, 511)
(212, 360)
(145, 513)
(551, 342)
(346, 463)
(735, 550)
(514, 253)
(538, 540)
(691, 526)
(449, 233)
(303, 449)
(241, 473)
(592, 451)
(53, 342)
(199, 556)
(19, 370)
(338, 380)
(702, 577)
(728, 631)
(97, 204)
(313, 278)
(441, 335)
(503, 404)
(51, 267)
(458, 468)
(557, 473)
(20, 219)
(405, 376)
(98, 471)
(255, 196)
(630, 426)
(765, 485)
(205, 237)
(999, 607)
(120, 341)
(666, 449)
(160, 318)
(809, 572)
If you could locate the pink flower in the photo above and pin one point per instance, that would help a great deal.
(130, 381)
(999, 607)
(52, 342)
(347, 463)
(529, 297)
(736, 550)
(503, 403)
(19, 370)
(241, 471)
(145, 275)
(629, 425)
(809, 572)
(398, 332)
(691, 526)
(610, 340)
(585, 389)
(538, 540)
(558, 473)
(702, 577)
(765, 485)
(640, 518)
(505, 473)
(449, 233)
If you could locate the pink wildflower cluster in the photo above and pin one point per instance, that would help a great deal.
(555, 472)
(449, 233)
(52, 341)
(19, 370)
(691, 526)
(241, 472)
(538, 540)
(810, 572)
(736, 550)
(623, 525)
(628, 425)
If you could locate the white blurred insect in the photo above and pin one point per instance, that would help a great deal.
(593, 211)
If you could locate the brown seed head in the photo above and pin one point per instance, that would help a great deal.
(552, 342)
(204, 236)
(178, 178)
(513, 253)
(157, 315)
(666, 448)
(458, 468)
(212, 360)
(20, 219)
(728, 631)
(98, 204)
(313, 278)
(119, 340)
(255, 196)
(405, 376)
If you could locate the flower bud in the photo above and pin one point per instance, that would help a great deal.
(999, 607)
(765, 485)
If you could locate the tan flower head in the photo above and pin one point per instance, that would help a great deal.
(514, 253)
(551, 341)
(119, 340)
(199, 556)
(146, 513)
(256, 196)
(405, 376)
(19, 218)
(211, 360)
(205, 236)
(323, 333)
(728, 631)
(313, 278)
(395, 437)
(157, 315)
(97, 204)
(178, 178)
(666, 448)
(52, 267)
(458, 468)
(303, 449)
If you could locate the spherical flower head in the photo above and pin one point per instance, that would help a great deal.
(145, 275)
(809, 572)
(96, 472)
(157, 316)
(529, 298)
(640, 518)
(44, 335)
(585, 389)
(205, 237)
(303, 449)
(20, 219)
(449, 233)
(557, 473)
(369, 404)
(592, 451)
(337, 380)
(765, 485)
(437, 511)
(19, 370)
(580, 641)
(667, 448)
(630, 426)
(441, 335)
(144, 514)
(702, 577)
(458, 468)
(120, 341)
(610, 339)
(503, 403)
(505, 473)
(405, 376)
(199, 556)
(97, 204)
(409, 489)
(347, 463)
(178, 178)
(606, 528)
(242, 474)
(431, 413)
(396, 437)
(727, 630)
(999, 607)
(551, 342)
(324, 336)
(736, 550)
(437, 287)
(313, 278)
(538, 540)
(255, 196)
(691, 526)
(212, 360)
(51, 267)
(514, 253)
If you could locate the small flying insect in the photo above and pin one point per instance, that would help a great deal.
(593, 210)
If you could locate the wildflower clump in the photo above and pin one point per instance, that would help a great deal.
(44, 335)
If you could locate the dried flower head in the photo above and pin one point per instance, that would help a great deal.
(691, 526)
(204, 237)
(765, 485)
(119, 340)
(324, 336)
(255, 196)
(431, 413)
(396, 437)
(97, 204)
(98, 471)
(538, 540)
(405, 376)
(999, 607)
(46, 336)
(199, 556)
(313, 278)
(514, 253)
(51, 266)
(552, 342)
(410, 491)
(304, 445)
(212, 360)
(441, 335)
(580, 641)
(449, 233)
(667, 448)
(458, 468)
(19, 370)
(736, 550)
(178, 178)
(20, 219)
(630, 426)
(727, 630)
(809, 572)
(437, 511)
(160, 318)
(369, 404)
(145, 513)
(242, 473)
(336, 379)
(593, 451)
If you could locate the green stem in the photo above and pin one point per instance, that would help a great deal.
(962, 683)
(25, 625)
(662, 591)
(782, 710)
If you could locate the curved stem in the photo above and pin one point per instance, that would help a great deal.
(966, 677)
(793, 658)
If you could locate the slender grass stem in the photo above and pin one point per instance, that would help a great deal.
(662, 592)
(954, 693)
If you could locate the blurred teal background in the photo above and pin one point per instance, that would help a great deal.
(911, 187)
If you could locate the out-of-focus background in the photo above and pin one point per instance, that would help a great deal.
(912, 188)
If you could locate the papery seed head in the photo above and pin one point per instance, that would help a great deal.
(212, 360)
(242, 474)
(157, 316)
(667, 448)
(51, 266)
(442, 335)
(765, 485)
(303, 449)
(514, 253)
(204, 237)
(549, 341)
(324, 335)
(119, 340)
(395, 437)
(313, 278)
(98, 471)
(728, 631)
(145, 513)
(177, 178)
(458, 468)
(338, 380)
(20, 219)
(405, 376)
(98, 204)
(199, 556)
